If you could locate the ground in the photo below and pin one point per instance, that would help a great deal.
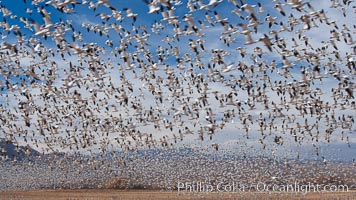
(171, 195)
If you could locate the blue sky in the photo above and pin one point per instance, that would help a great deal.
(234, 132)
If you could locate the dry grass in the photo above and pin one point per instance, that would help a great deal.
(154, 194)
(116, 183)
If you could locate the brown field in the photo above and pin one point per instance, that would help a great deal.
(172, 195)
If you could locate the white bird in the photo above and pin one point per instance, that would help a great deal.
(247, 34)
(40, 30)
(214, 2)
(130, 14)
(152, 6)
(46, 18)
(267, 41)
(105, 3)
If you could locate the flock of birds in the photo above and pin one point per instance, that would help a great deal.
(95, 77)
(164, 170)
